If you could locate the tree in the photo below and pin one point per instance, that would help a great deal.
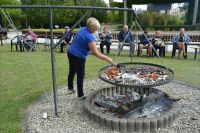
(62, 17)
(14, 13)
(9, 2)
(101, 15)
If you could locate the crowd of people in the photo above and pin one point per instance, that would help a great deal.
(126, 38)
(154, 45)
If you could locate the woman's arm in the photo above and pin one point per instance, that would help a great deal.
(94, 50)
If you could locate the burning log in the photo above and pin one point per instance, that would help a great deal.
(120, 104)
(134, 105)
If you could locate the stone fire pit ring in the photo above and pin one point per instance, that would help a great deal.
(130, 124)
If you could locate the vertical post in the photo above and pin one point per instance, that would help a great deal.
(125, 12)
(195, 12)
(53, 61)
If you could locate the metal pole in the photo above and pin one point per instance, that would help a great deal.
(74, 26)
(65, 7)
(53, 61)
(195, 12)
(125, 12)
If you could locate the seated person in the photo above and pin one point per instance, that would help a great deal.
(30, 40)
(126, 36)
(144, 43)
(96, 36)
(181, 41)
(158, 43)
(68, 39)
(3, 34)
(105, 37)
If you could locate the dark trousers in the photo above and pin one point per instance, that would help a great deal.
(107, 46)
(76, 66)
(61, 47)
(27, 45)
(161, 51)
(175, 47)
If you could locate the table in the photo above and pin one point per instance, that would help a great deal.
(195, 48)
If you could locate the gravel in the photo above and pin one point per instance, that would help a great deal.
(73, 119)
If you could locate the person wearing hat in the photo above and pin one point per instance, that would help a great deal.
(77, 53)
(68, 40)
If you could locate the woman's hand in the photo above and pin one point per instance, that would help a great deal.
(110, 61)
(94, 50)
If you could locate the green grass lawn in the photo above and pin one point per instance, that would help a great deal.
(19, 86)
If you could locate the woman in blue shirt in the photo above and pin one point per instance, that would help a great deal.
(83, 43)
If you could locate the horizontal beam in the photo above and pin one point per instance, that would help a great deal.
(65, 7)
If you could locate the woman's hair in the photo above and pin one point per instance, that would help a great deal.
(92, 23)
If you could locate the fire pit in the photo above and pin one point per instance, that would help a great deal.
(136, 74)
(132, 105)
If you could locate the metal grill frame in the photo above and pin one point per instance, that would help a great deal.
(169, 72)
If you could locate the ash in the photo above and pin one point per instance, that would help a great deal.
(134, 105)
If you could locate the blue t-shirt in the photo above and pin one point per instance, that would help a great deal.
(80, 44)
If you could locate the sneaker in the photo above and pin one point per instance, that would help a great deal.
(82, 98)
(70, 91)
